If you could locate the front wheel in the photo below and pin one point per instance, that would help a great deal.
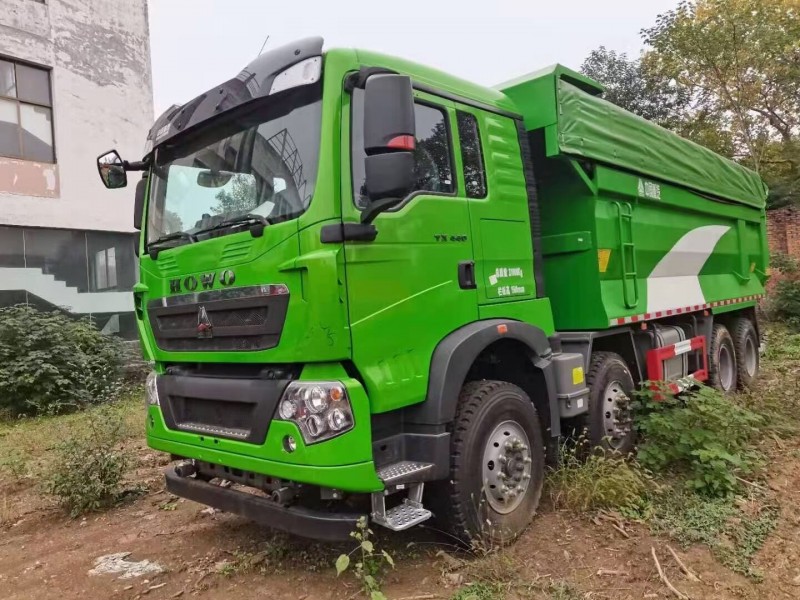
(496, 465)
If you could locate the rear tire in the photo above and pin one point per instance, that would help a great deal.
(608, 424)
(745, 343)
(722, 360)
(497, 445)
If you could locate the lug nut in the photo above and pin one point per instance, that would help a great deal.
(502, 459)
(527, 460)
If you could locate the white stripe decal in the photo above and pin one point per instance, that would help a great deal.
(675, 279)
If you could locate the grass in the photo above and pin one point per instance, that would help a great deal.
(733, 528)
(599, 481)
(26, 444)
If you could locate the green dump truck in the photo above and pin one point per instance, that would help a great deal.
(371, 288)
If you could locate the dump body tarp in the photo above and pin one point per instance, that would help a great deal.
(594, 128)
(557, 98)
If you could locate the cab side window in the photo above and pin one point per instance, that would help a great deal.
(432, 155)
(471, 155)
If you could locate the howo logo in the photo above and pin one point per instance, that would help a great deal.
(204, 281)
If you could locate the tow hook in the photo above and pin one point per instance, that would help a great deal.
(186, 468)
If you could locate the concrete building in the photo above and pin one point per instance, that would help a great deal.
(75, 81)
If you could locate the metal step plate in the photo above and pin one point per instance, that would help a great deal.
(403, 516)
(404, 471)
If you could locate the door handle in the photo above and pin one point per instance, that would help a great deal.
(466, 275)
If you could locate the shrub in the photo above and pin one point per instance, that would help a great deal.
(50, 363)
(701, 434)
(87, 468)
(784, 299)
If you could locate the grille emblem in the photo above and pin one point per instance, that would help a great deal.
(205, 328)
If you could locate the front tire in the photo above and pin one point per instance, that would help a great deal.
(722, 372)
(496, 465)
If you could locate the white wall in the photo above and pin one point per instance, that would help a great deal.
(99, 52)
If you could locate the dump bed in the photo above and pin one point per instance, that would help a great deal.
(637, 222)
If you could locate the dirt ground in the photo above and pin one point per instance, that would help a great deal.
(44, 555)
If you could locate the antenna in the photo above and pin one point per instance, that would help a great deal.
(263, 46)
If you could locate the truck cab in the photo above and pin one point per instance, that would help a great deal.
(343, 266)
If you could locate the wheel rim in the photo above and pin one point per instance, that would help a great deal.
(750, 356)
(506, 466)
(725, 368)
(616, 414)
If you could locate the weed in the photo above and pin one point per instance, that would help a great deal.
(87, 470)
(477, 591)
(15, 464)
(169, 505)
(8, 513)
(599, 481)
(702, 435)
(561, 590)
(370, 564)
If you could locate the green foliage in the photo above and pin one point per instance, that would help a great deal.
(784, 300)
(599, 481)
(630, 85)
(50, 364)
(371, 562)
(737, 59)
(734, 529)
(88, 467)
(701, 435)
(477, 591)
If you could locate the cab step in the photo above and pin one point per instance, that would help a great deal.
(408, 513)
(405, 471)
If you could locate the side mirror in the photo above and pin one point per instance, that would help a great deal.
(389, 141)
(112, 170)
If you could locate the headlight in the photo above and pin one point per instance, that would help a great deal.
(303, 73)
(151, 389)
(321, 409)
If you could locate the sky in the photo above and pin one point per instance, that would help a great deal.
(197, 44)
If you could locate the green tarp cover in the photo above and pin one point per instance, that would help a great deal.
(596, 129)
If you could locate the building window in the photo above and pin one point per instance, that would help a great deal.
(26, 112)
(105, 269)
(474, 173)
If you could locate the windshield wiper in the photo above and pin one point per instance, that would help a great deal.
(156, 245)
(258, 223)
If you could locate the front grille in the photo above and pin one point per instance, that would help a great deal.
(238, 319)
(233, 408)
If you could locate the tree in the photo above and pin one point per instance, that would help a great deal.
(630, 85)
(241, 198)
(740, 59)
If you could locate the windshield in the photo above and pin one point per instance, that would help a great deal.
(262, 163)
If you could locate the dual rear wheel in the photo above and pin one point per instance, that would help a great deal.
(733, 359)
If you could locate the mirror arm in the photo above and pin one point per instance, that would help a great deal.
(136, 165)
(375, 208)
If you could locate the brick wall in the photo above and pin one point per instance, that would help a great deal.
(783, 234)
(783, 231)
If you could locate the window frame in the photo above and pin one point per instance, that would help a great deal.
(18, 102)
(447, 109)
(481, 154)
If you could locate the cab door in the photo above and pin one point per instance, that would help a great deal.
(404, 293)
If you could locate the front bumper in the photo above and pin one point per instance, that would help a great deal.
(318, 525)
